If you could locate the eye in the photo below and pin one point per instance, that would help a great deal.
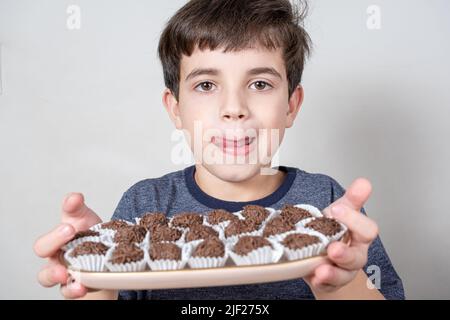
(261, 85)
(204, 86)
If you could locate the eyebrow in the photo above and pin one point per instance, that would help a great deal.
(252, 72)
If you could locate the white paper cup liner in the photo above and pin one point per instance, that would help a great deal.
(263, 255)
(125, 267)
(160, 265)
(207, 262)
(90, 262)
(338, 236)
(308, 251)
(72, 244)
(235, 238)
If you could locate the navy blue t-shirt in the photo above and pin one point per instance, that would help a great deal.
(178, 191)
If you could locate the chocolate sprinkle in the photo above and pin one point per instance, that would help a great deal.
(114, 225)
(126, 253)
(86, 233)
(165, 251)
(211, 247)
(254, 213)
(187, 219)
(294, 214)
(238, 227)
(89, 247)
(247, 244)
(299, 241)
(277, 225)
(130, 234)
(165, 233)
(198, 232)
(324, 225)
(220, 215)
(152, 219)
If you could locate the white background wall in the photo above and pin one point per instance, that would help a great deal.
(81, 111)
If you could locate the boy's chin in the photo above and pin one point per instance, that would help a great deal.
(234, 172)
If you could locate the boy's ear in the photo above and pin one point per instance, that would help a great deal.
(172, 107)
(295, 102)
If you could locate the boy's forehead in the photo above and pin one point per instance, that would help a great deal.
(233, 61)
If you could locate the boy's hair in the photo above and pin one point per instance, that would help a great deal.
(235, 25)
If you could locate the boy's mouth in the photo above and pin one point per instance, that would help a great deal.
(234, 146)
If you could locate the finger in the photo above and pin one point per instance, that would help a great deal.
(52, 274)
(328, 277)
(73, 290)
(356, 195)
(48, 244)
(74, 208)
(349, 258)
(362, 228)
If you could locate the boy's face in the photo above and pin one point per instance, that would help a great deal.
(234, 108)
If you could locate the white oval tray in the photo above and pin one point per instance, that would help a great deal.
(191, 278)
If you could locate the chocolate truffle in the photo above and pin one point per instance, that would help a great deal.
(130, 234)
(324, 225)
(247, 244)
(152, 219)
(89, 247)
(86, 233)
(299, 241)
(211, 247)
(220, 215)
(198, 232)
(277, 225)
(187, 219)
(294, 214)
(114, 225)
(126, 253)
(237, 227)
(254, 213)
(165, 251)
(165, 233)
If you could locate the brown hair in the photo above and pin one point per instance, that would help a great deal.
(235, 25)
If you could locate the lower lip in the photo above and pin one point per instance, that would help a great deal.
(237, 151)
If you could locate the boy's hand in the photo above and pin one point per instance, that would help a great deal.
(76, 216)
(346, 261)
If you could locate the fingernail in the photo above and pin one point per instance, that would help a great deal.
(66, 230)
(337, 211)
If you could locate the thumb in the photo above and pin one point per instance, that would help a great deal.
(356, 195)
(76, 213)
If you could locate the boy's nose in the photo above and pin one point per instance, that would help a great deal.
(234, 110)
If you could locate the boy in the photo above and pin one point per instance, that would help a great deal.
(233, 68)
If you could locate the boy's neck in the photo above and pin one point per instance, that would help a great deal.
(252, 189)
